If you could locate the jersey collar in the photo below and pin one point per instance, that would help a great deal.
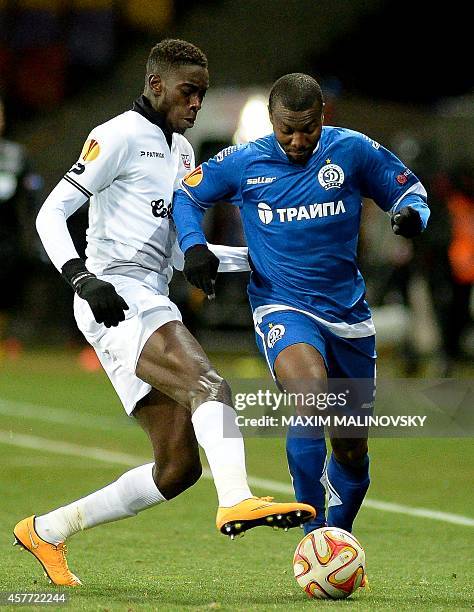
(143, 106)
(281, 150)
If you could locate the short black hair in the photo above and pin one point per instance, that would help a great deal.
(174, 52)
(296, 92)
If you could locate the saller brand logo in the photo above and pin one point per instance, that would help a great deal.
(261, 180)
(331, 176)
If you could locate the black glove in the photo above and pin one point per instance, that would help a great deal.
(106, 304)
(407, 223)
(200, 268)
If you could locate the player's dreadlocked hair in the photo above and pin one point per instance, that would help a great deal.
(174, 52)
(296, 92)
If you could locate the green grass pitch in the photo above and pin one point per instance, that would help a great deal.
(171, 557)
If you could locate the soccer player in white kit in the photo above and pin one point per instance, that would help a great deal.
(128, 169)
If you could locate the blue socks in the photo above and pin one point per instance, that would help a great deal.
(347, 486)
(306, 458)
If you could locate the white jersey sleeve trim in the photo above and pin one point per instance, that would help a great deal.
(78, 186)
(231, 259)
(51, 224)
(417, 189)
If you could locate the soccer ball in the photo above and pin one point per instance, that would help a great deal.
(329, 563)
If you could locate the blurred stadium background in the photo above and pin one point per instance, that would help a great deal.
(68, 65)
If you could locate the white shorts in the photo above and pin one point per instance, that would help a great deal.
(118, 348)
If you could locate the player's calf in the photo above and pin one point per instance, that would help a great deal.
(347, 480)
(350, 451)
(177, 465)
(176, 476)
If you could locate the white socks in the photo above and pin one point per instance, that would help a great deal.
(216, 431)
(132, 492)
(221, 439)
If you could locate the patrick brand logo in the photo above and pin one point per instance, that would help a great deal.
(152, 154)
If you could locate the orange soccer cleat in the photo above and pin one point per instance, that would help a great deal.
(257, 511)
(51, 557)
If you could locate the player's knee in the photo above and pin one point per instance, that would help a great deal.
(210, 386)
(174, 478)
(189, 475)
(225, 393)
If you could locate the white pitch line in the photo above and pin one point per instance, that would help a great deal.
(101, 454)
(69, 448)
(61, 416)
(374, 504)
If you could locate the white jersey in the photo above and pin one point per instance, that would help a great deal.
(129, 173)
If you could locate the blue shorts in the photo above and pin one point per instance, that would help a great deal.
(344, 357)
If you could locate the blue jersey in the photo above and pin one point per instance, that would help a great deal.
(301, 222)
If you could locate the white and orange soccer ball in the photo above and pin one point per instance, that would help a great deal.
(329, 563)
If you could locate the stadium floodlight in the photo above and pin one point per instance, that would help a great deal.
(254, 121)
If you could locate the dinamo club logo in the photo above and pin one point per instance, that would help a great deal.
(276, 333)
(331, 176)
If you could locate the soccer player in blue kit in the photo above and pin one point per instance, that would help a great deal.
(300, 193)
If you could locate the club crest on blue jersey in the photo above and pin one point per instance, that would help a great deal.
(331, 176)
(276, 333)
